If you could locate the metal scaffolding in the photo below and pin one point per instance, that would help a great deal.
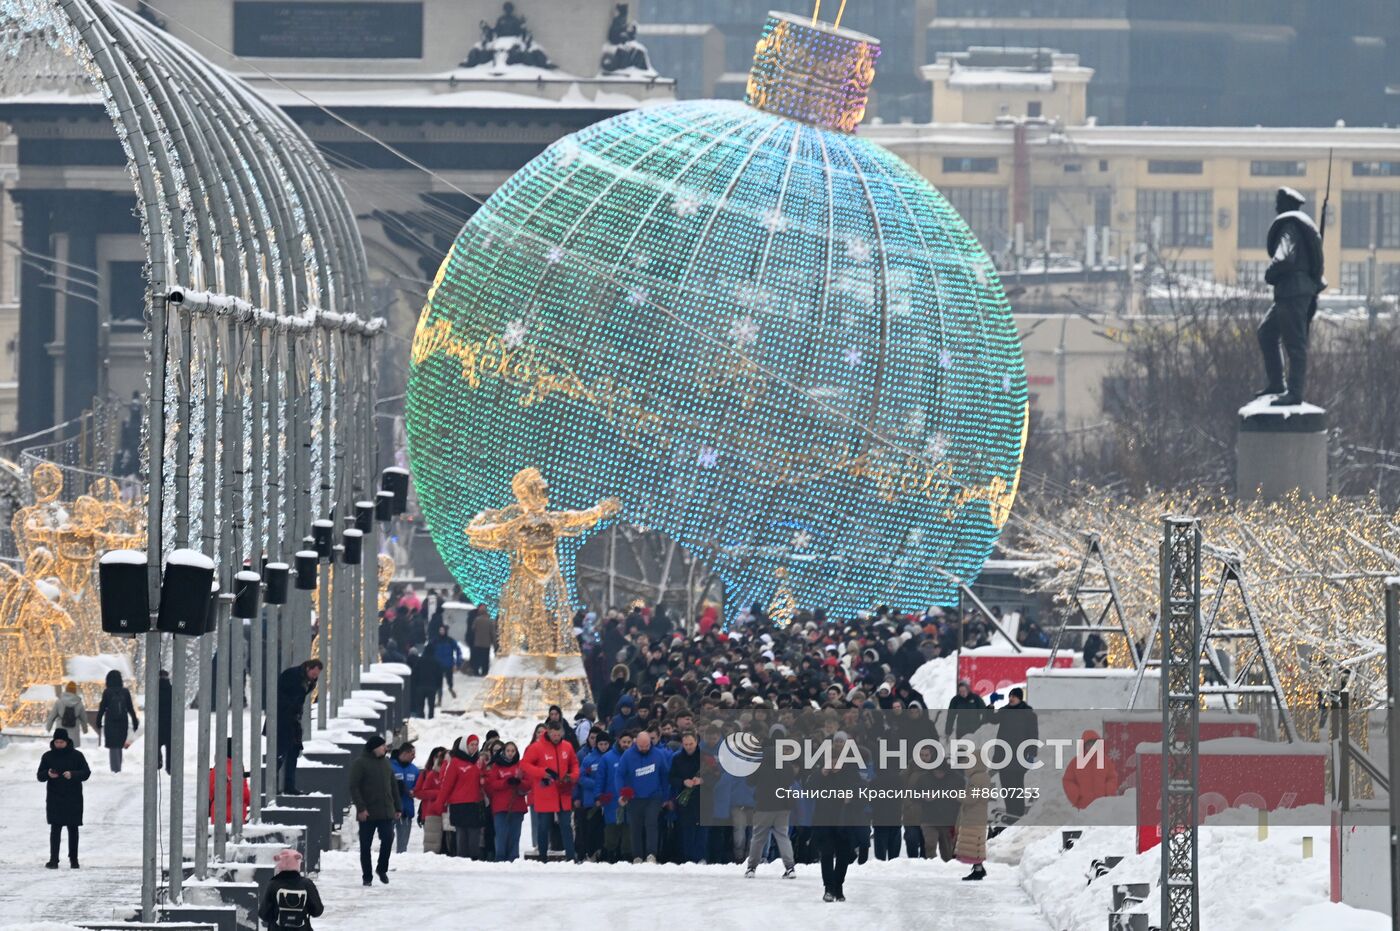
(1181, 698)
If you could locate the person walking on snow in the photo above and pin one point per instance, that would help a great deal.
(1091, 775)
(290, 899)
(406, 775)
(113, 712)
(644, 772)
(375, 794)
(64, 768)
(68, 713)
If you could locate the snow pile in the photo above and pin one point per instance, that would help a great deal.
(95, 668)
(1246, 884)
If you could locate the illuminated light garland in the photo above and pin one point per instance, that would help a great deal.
(614, 315)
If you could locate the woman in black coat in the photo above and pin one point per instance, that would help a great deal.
(65, 769)
(113, 712)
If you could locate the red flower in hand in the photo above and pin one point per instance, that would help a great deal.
(605, 798)
(628, 792)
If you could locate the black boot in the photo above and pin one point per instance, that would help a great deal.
(1288, 399)
(976, 875)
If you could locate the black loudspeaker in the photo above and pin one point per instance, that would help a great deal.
(384, 506)
(322, 537)
(278, 577)
(123, 586)
(307, 561)
(247, 587)
(352, 544)
(184, 594)
(211, 619)
(395, 480)
(364, 516)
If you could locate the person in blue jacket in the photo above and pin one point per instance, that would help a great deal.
(448, 653)
(617, 844)
(644, 773)
(626, 718)
(406, 775)
(592, 776)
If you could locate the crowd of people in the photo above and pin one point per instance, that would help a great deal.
(621, 780)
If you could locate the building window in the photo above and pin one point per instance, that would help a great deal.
(1356, 278)
(1370, 218)
(983, 209)
(126, 293)
(986, 166)
(1073, 168)
(1255, 215)
(1033, 109)
(1040, 215)
(1103, 164)
(1103, 209)
(1274, 168)
(1174, 218)
(1375, 169)
(1165, 166)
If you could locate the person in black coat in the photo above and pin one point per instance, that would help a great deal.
(290, 899)
(64, 769)
(115, 709)
(966, 710)
(424, 682)
(1016, 724)
(294, 686)
(835, 839)
(163, 719)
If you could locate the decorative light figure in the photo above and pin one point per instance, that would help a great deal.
(806, 298)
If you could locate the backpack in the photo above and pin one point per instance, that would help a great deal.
(291, 908)
(70, 717)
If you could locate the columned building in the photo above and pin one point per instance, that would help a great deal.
(424, 108)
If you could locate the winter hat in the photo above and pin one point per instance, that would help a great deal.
(966, 682)
(472, 739)
(62, 734)
(1289, 193)
(287, 860)
(884, 688)
(374, 743)
(625, 701)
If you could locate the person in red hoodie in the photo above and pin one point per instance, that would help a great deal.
(508, 787)
(228, 797)
(462, 797)
(1090, 776)
(552, 769)
(427, 790)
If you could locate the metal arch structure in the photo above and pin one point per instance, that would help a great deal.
(257, 291)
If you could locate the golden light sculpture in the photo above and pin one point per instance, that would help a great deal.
(539, 662)
(1315, 573)
(784, 606)
(386, 576)
(50, 609)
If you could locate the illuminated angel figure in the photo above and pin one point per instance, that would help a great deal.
(536, 617)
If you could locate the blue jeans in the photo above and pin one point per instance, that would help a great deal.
(507, 825)
(542, 821)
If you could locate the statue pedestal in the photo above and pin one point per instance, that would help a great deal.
(525, 684)
(1280, 450)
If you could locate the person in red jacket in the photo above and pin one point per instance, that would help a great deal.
(228, 796)
(1090, 776)
(552, 768)
(508, 787)
(427, 790)
(461, 796)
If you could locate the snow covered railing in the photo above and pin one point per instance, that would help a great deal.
(218, 304)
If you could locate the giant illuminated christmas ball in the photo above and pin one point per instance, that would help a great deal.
(774, 341)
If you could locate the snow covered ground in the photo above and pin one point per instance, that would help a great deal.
(1031, 884)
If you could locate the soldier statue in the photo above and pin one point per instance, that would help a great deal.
(1295, 273)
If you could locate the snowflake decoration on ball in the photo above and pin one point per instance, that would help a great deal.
(554, 256)
(637, 296)
(744, 331)
(936, 447)
(568, 153)
(774, 221)
(514, 335)
(853, 357)
(858, 250)
(708, 457)
(686, 205)
(945, 358)
(801, 540)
